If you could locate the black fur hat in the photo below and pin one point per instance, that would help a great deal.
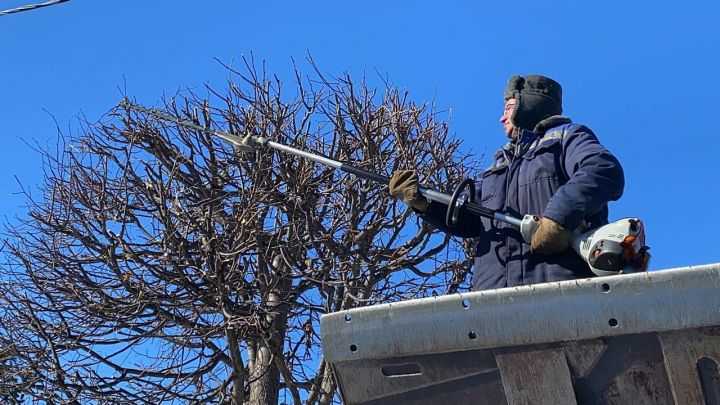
(537, 97)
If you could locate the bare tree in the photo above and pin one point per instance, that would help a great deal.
(159, 264)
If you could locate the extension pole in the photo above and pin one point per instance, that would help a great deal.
(242, 143)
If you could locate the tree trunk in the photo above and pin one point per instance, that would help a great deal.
(327, 387)
(264, 378)
(264, 374)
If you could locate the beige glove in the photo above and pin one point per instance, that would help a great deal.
(404, 186)
(550, 237)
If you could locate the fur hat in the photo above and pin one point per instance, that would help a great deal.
(537, 97)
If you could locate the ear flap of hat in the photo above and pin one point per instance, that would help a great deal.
(515, 83)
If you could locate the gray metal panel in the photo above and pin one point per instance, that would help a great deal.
(440, 378)
(542, 313)
(548, 384)
(682, 350)
(614, 370)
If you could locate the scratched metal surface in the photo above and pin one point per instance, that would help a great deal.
(529, 315)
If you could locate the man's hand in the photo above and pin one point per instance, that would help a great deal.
(550, 237)
(404, 186)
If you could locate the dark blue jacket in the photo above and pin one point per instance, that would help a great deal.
(564, 174)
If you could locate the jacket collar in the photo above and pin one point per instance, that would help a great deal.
(526, 139)
(551, 122)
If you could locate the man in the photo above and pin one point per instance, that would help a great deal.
(550, 167)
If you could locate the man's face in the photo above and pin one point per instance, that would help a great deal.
(507, 124)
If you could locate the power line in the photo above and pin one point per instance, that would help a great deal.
(31, 7)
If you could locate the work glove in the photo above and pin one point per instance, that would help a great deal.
(550, 237)
(404, 186)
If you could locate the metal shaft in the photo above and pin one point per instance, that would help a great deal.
(241, 142)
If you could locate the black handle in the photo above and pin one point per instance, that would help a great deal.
(365, 174)
(453, 209)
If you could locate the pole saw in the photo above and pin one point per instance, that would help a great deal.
(616, 248)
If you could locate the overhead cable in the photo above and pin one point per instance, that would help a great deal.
(31, 7)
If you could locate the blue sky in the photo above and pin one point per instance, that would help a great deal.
(642, 75)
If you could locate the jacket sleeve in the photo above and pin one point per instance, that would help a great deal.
(467, 226)
(594, 178)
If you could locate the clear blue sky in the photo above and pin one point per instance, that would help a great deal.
(642, 74)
